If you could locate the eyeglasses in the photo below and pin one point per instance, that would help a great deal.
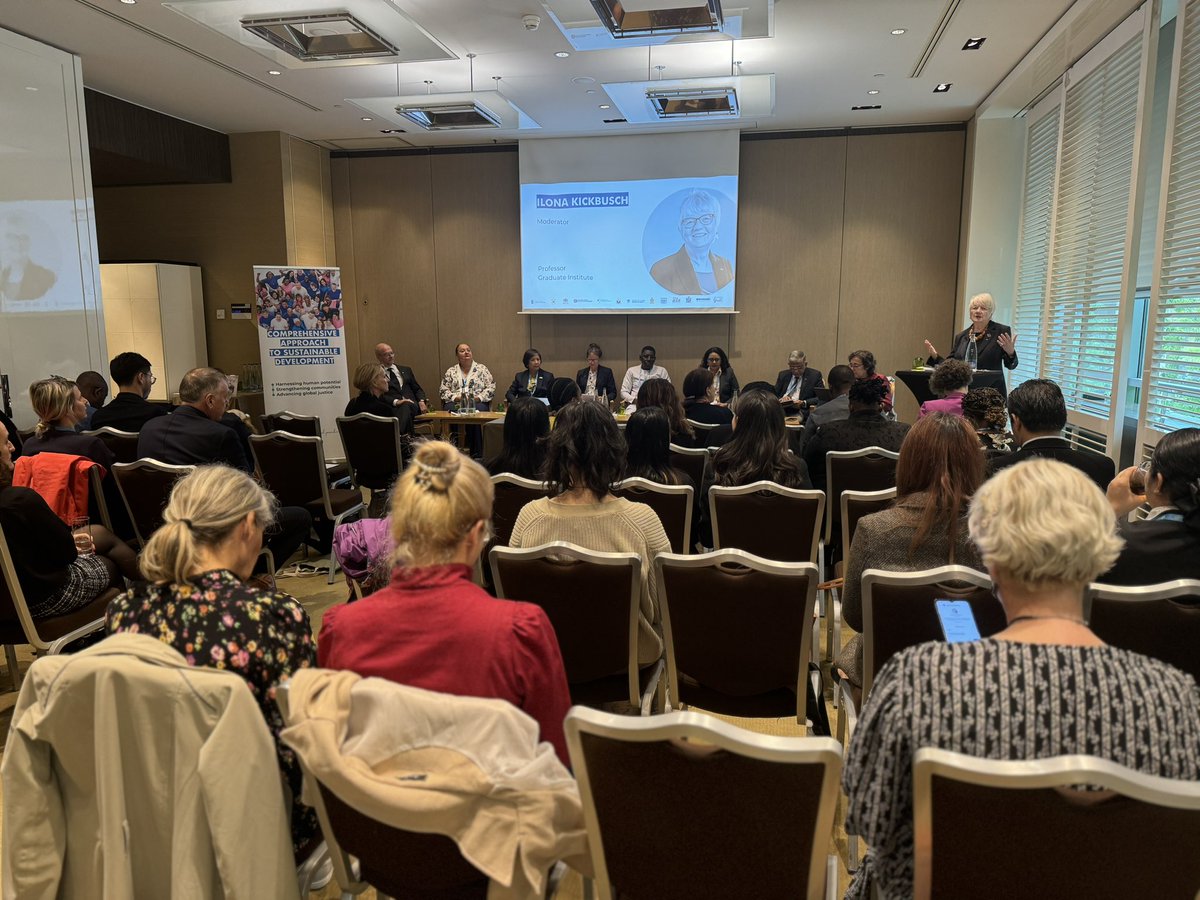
(857, 366)
(714, 359)
(704, 220)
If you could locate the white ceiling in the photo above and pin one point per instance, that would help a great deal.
(825, 54)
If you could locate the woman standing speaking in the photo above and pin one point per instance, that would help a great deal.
(985, 343)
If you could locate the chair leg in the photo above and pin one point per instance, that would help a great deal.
(14, 670)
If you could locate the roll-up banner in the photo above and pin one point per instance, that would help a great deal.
(302, 343)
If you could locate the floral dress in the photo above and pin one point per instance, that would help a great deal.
(219, 621)
(477, 381)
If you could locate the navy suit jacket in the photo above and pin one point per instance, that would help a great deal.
(809, 382)
(606, 382)
(409, 390)
(520, 385)
(127, 412)
(187, 437)
(1096, 466)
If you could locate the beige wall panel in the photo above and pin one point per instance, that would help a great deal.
(225, 228)
(340, 218)
(477, 242)
(900, 247)
(679, 341)
(307, 198)
(563, 340)
(789, 254)
(392, 240)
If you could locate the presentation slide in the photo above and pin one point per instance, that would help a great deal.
(37, 274)
(621, 244)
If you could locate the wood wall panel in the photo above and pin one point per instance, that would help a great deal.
(562, 341)
(341, 222)
(308, 203)
(900, 248)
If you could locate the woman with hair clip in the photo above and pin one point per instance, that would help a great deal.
(661, 393)
(198, 600)
(648, 448)
(939, 469)
(1166, 544)
(526, 425)
(431, 627)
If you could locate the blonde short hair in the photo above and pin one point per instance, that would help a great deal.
(985, 300)
(205, 507)
(365, 374)
(438, 499)
(51, 399)
(1042, 522)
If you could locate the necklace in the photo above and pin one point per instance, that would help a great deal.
(1072, 619)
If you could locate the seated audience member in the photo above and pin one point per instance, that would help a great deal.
(14, 437)
(862, 364)
(864, 427)
(1039, 414)
(431, 627)
(661, 393)
(60, 407)
(985, 410)
(648, 448)
(197, 600)
(699, 391)
(372, 383)
(940, 467)
(94, 389)
(719, 435)
(645, 370)
(562, 392)
(532, 381)
(1166, 544)
(835, 409)
(796, 385)
(57, 574)
(526, 425)
(720, 372)
(1045, 686)
(595, 380)
(130, 409)
(585, 455)
(950, 381)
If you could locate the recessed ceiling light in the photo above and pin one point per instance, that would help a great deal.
(974, 43)
(391, 131)
(583, 79)
(367, 119)
(857, 108)
(943, 88)
(606, 106)
(562, 54)
(872, 93)
(129, 2)
(880, 75)
(274, 72)
(30, 87)
(899, 31)
(591, 92)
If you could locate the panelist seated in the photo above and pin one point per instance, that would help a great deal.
(796, 386)
(638, 375)
(467, 382)
(595, 380)
(372, 382)
(722, 374)
(990, 343)
(532, 381)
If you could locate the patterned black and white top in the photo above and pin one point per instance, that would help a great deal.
(1005, 700)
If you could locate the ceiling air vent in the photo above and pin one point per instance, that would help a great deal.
(320, 36)
(449, 116)
(639, 18)
(698, 103)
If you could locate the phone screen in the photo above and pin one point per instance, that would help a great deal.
(958, 621)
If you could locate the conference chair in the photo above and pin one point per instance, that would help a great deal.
(49, 635)
(592, 601)
(292, 467)
(145, 486)
(512, 492)
(123, 444)
(374, 453)
(855, 505)
(684, 805)
(738, 632)
(1159, 620)
(691, 461)
(767, 520)
(293, 423)
(673, 503)
(702, 429)
(996, 829)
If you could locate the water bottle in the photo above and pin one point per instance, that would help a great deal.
(972, 353)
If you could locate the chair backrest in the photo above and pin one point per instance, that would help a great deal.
(145, 487)
(738, 631)
(97, 499)
(855, 505)
(868, 469)
(512, 492)
(701, 428)
(999, 829)
(768, 520)
(294, 423)
(292, 467)
(591, 599)
(1159, 620)
(373, 450)
(123, 444)
(672, 502)
(899, 610)
(665, 799)
(691, 461)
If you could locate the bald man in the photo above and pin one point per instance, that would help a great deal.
(403, 389)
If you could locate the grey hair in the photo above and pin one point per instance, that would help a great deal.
(796, 356)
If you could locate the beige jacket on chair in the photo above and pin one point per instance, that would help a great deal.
(469, 768)
(129, 774)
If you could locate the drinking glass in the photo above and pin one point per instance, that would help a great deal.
(84, 545)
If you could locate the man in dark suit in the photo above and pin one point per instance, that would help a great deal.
(403, 393)
(796, 385)
(1039, 414)
(129, 410)
(865, 427)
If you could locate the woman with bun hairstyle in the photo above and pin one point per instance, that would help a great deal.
(431, 627)
(197, 600)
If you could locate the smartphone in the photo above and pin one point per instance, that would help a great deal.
(958, 621)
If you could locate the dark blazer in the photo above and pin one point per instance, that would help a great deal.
(727, 385)
(605, 381)
(366, 402)
(1155, 551)
(809, 382)
(520, 385)
(187, 437)
(676, 274)
(54, 441)
(990, 354)
(409, 390)
(707, 414)
(127, 412)
(1096, 466)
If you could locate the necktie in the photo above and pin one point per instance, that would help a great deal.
(394, 378)
(791, 391)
